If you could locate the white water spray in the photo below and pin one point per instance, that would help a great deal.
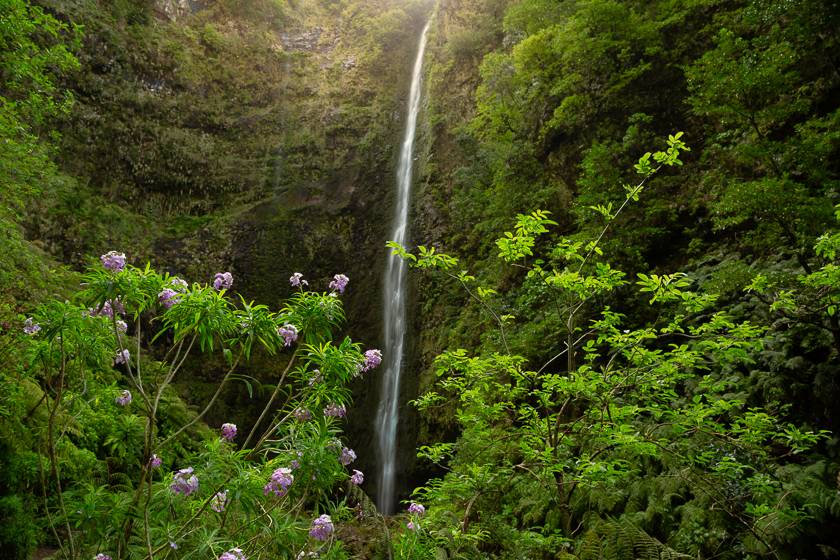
(387, 416)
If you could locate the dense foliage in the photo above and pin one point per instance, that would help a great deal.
(92, 429)
(587, 416)
(629, 442)
(642, 366)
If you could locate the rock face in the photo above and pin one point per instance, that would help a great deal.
(174, 9)
(304, 41)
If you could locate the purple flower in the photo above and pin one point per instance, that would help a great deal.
(347, 456)
(30, 327)
(412, 526)
(289, 333)
(122, 326)
(101, 556)
(416, 509)
(233, 554)
(372, 359)
(294, 464)
(178, 284)
(280, 481)
(184, 482)
(228, 431)
(357, 477)
(223, 280)
(122, 357)
(322, 528)
(297, 280)
(113, 261)
(168, 297)
(219, 501)
(173, 545)
(103, 311)
(125, 397)
(155, 461)
(336, 410)
(339, 282)
(302, 414)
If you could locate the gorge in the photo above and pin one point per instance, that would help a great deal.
(609, 328)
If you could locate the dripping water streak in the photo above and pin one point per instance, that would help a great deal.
(387, 416)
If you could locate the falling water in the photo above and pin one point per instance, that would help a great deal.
(387, 417)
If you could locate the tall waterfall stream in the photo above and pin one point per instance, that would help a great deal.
(387, 416)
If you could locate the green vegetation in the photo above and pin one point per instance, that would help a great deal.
(629, 442)
(89, 420)
(634, 354)
(598, 408)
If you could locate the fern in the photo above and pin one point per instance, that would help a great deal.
(620, 540)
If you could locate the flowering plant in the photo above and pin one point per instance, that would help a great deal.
(135, 329)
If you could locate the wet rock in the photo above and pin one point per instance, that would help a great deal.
(306, 41)
(173, 9)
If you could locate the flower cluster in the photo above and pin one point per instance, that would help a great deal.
(122, 357)
(179, 284)
(297, 280)
(302, 414)
(113, 261)
(122, 326)
(101, 556)
(372, 359)
(184, 482)
(280, 481)
(30, 327)
(233, 554)
(125, 397)
(223, 280)
(417, 511)
(338, 283)
(289, 333)
(155, 461)
(219, 501)
(168, 297)
(335, 410)
(228, 431)
(357, 477)
(322, 528)
(347, 456)
(108, 309)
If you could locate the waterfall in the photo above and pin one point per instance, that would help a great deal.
(387, 416)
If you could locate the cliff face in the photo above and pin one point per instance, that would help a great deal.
(254, 136)
(174, 9)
